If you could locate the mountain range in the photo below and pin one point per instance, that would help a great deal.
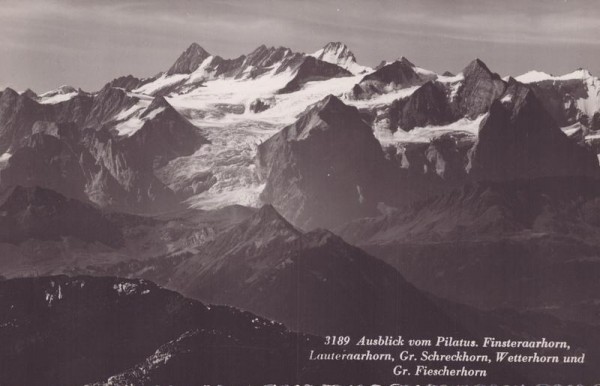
(301, 189)
(159, 143)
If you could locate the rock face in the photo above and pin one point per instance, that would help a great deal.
(164, 135)
(49, 161)
(128, 82)
(520, 140)
(189, 60)
(312, 69)
(397, 75)
(107, 103)
(479, 90)
(570, 98)
(441, 100)
(46, 215)
(428, 105)
(17, 115)
(259, 105)
(90, 167)
(323, 169)
(124, 178)
(68, 147)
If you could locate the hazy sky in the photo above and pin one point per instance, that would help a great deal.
(47, 43)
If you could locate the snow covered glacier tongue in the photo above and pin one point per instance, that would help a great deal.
(226, 164)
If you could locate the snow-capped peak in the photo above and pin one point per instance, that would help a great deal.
(64, 89)
(533, 76)
(339, 54)
(539, 76)
(61, 94)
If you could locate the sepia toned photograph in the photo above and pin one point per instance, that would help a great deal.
(299, 192)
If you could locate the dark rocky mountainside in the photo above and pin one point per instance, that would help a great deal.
(519, 139)
(324, 168)
(18, 113)
(36, 213)
(497, 244)
(92, 164)
(72, 331)
(312, 282)
(566, 98)
(428, 105)
(189, 60)
(164, 135)
(311, 69)
(397, 75)
(439, 102)
(44, 232)
(481, 87)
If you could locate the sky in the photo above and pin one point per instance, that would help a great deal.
(84, 43)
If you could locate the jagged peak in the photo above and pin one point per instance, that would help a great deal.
(157, 103)
(258, 50)
(517, 98)
(263, 48)
(398, 63)
(196, 48)
(475, 66)
(405, 61)
(189, 60)
(330, 102)
(338, 48)
(268, 212)
(9, 92)
(267, 218)
(29, 93)
(448, 74)
(65, 88)
(335, 45)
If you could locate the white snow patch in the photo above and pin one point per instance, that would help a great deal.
(382, 99)
(533, 76)
(361, 198)
(428, 133)
(129, 127)
(426, 73)
(125, 288)
(454, 83)
(591, 104)
(57, 98)
(127, 113)
(572, 129)
(539, 76)
(337, 57)
(133, 123)
(152, 114)
(163, 81)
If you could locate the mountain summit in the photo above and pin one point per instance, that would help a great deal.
(323, 168)
(339, 54)
(189, 60)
